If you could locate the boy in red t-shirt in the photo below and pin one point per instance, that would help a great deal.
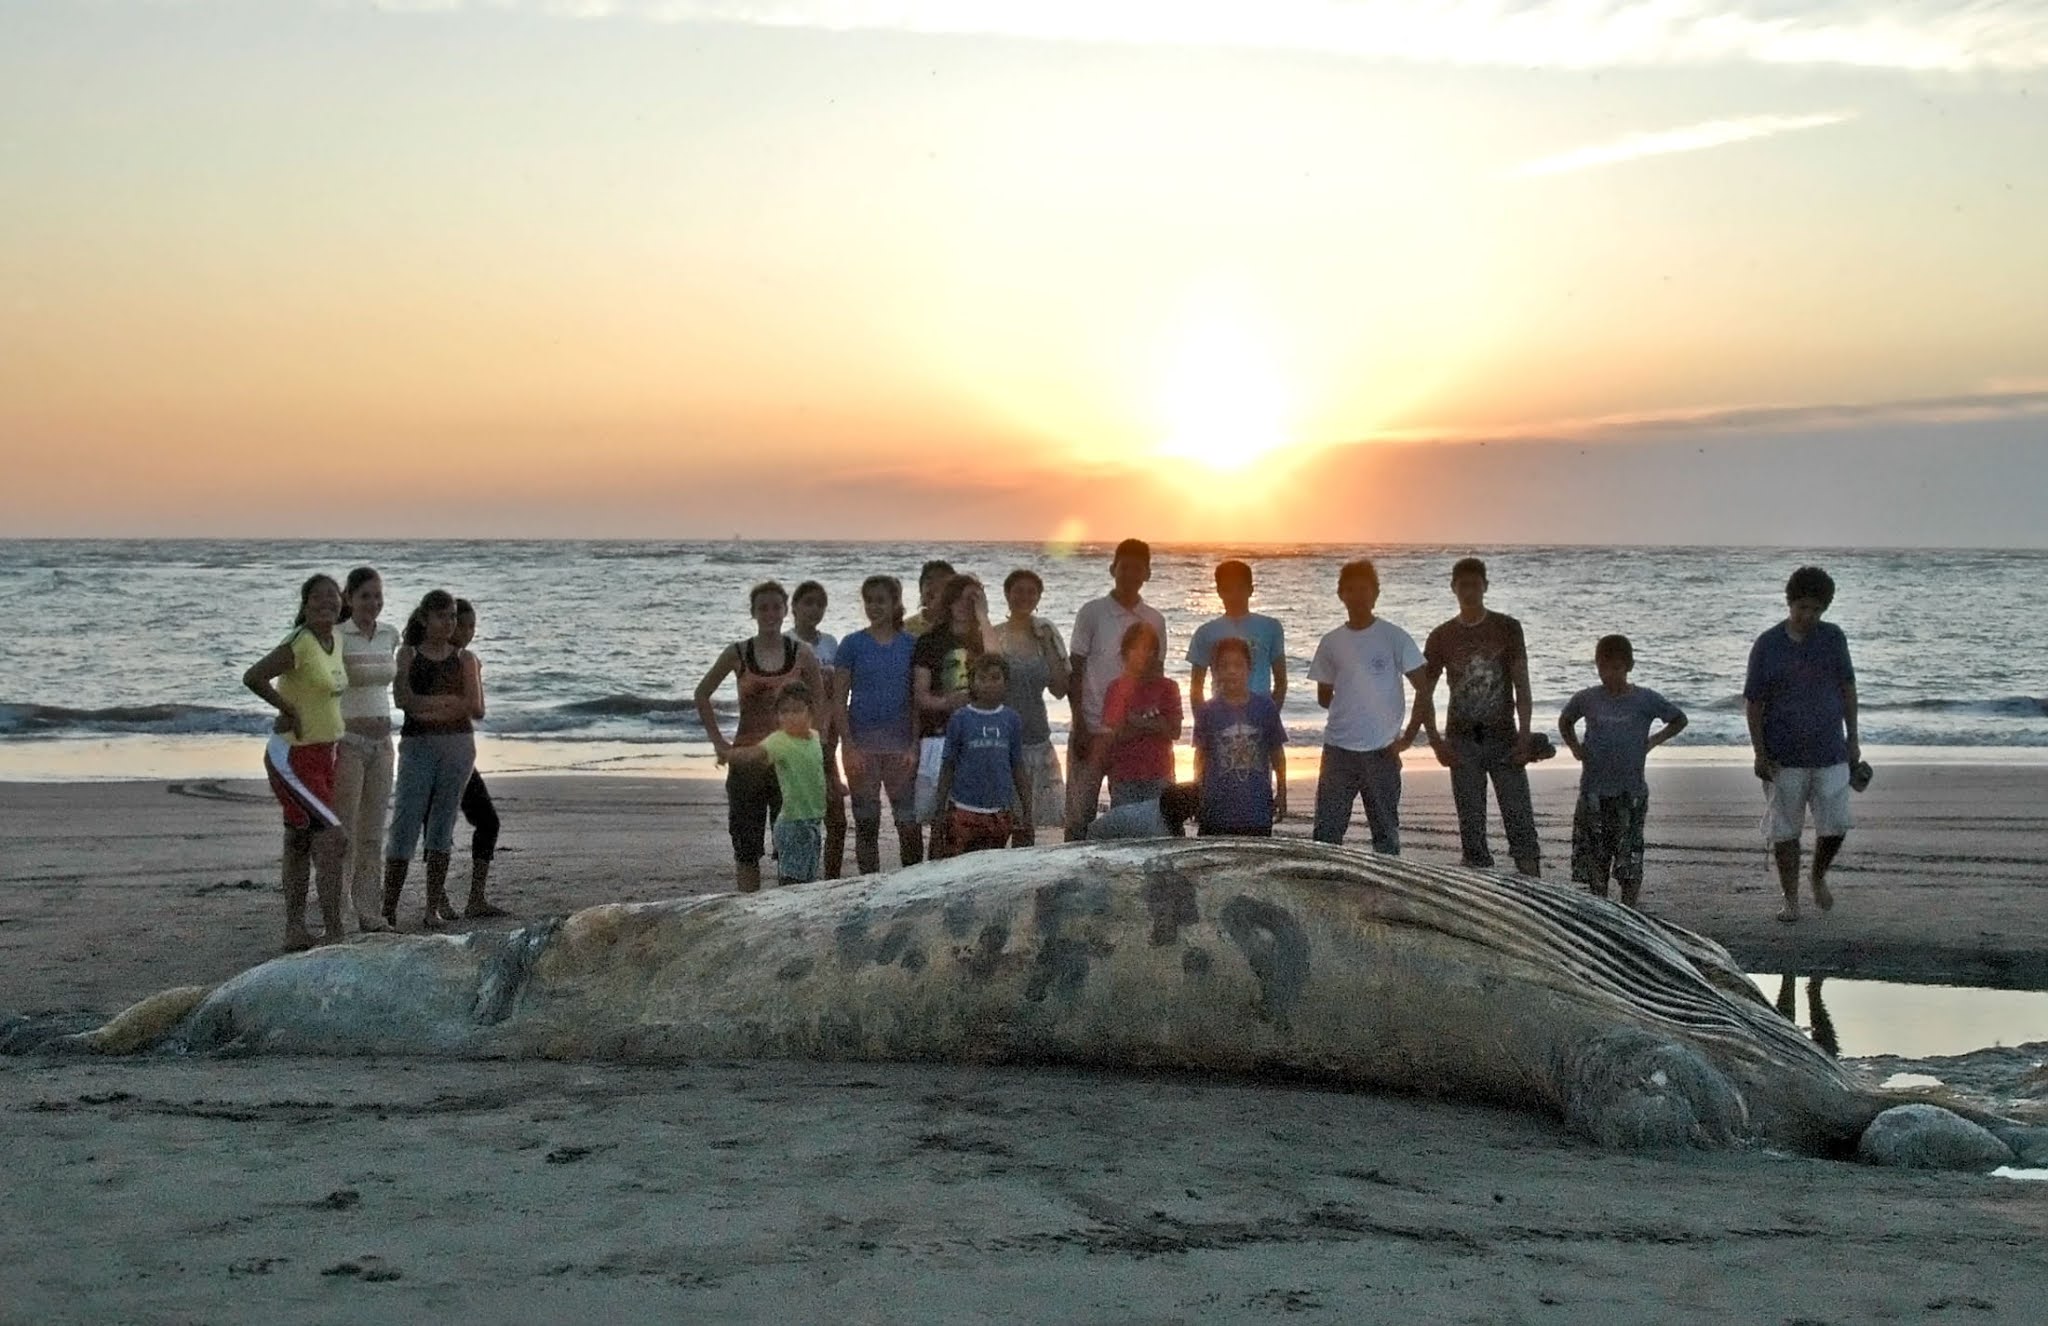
(1141, 720)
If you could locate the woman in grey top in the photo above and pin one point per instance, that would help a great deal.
(1038, 665)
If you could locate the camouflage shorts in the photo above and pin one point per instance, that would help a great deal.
(1607, 836)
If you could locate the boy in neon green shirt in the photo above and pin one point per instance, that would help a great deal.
(798, 758)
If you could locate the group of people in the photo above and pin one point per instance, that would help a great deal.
(945, 713)
(334, 680)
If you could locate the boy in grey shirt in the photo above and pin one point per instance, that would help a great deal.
(1614, 797)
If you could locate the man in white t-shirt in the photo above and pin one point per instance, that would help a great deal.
(1357, 671)
(1097, 651)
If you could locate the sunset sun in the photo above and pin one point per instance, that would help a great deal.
(1223, 402)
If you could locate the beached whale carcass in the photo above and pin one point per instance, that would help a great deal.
(1241, 956)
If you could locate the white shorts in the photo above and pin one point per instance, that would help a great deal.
(1788, 798)
(931, 755)
(1048, 788)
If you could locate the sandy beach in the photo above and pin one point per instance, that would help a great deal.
(261, 1190)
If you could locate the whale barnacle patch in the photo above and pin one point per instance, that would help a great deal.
(1276, 948)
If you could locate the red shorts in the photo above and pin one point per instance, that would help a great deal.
(974, 831)
(303, 779)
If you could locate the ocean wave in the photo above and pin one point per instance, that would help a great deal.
(51, 720)
(628, 705)
(2010, 706)
(2004, 706)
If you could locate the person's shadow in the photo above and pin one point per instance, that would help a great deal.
(1823, 1025)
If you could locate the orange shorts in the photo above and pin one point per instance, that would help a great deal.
(974, 831)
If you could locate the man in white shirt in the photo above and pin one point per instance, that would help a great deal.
(1097, 645)
(1358, 670)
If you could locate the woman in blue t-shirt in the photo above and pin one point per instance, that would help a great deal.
(871, 692)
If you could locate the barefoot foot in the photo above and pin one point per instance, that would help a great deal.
(297, 939)
(478, 909)
(1789, 912)
(1822, 898)
(371, 925)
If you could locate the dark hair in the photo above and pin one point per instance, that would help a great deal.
(1233, 567)
(794, 694)
(810, 587)
(1131, 548)
(1468, 566)
(895, 588)
(306, 592)
(464, 608)
(1135, 632)
(956, 587)
(1615, 646)
(357, 578)
(1023, 573)
(1810, 582)
(767, 587)
(990, 663)
(935, 567)
(1360, 568)
(1231, 644)
(1178, 804)
(434, 600)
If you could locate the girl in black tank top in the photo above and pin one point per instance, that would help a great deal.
(426, 676)
(750, 789)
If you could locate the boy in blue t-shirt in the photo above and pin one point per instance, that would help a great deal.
(1240, 750)
(982, 773)
(1265, 636)
(1614, 796)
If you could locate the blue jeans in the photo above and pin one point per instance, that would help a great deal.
(432, 768)
(1123, 791)
(1374, 776)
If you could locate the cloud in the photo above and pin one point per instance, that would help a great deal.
(1921, 35)
(1690, 138)
(2020, 403)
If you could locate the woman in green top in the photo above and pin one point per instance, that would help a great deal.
(303, 679)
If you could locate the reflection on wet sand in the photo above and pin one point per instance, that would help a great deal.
(1823, 1026)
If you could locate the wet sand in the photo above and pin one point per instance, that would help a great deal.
(234, 1190)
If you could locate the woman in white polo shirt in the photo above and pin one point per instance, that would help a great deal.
(365, 761)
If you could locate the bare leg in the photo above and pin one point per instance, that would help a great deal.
(1824, 852)
(835, 831)
(1787, 855)
(480, 906)
(394, 889)
(298, 875)
(330, 870)
(867, 846)
(439, 910)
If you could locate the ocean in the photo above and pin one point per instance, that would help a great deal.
(123, 658)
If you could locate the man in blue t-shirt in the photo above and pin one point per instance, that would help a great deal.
(1264, 634)
(982, 773)
(1800, 698)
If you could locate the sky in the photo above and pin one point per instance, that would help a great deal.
(1371, 271)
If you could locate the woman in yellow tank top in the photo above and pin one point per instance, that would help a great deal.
(303, 679)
